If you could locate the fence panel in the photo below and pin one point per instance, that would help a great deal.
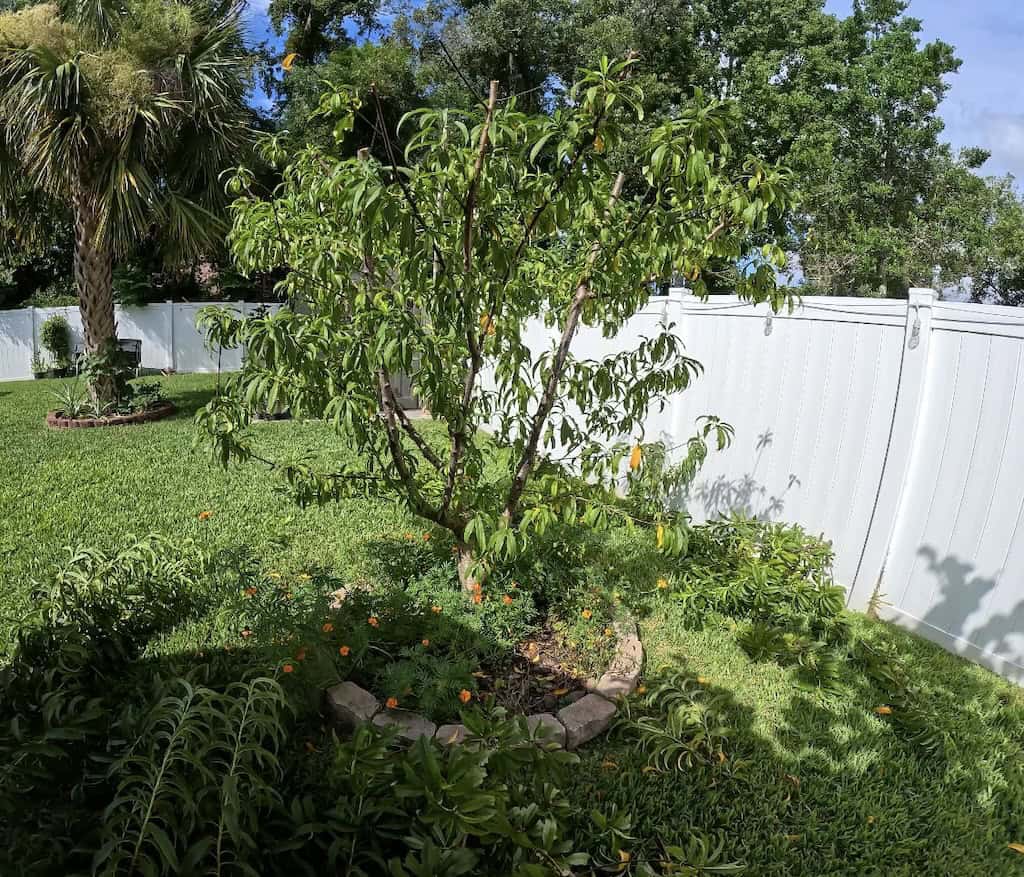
(16, 333)
(955, 565)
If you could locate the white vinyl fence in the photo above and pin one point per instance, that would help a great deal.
(893, 428)
(168, 333)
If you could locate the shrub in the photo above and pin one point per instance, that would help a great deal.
(55, 336)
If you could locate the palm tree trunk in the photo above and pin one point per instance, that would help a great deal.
(94, 280)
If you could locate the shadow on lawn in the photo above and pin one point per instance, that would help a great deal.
(816, 783)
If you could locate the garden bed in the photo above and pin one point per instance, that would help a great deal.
(561, 709)
(57, 420)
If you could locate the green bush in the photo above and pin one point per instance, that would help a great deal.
(55, 336)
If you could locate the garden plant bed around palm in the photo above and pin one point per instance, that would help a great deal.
(561, 709)
(57, 420)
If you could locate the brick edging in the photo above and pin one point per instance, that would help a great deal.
(351, 706)
(157, 412)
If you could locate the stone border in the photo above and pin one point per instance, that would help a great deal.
(573, 725)
(54, 420)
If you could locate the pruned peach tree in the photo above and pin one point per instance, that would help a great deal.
(431, 263)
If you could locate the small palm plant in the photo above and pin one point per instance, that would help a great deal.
(125, 112)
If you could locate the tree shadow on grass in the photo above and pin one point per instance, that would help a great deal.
(816, 783)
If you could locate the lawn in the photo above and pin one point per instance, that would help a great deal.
(810, 782)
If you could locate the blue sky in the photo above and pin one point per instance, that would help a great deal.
(985, 105)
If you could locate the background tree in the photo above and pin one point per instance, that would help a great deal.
(433, 268)
(126, 113)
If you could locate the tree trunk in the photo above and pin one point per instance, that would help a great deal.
(94, 281)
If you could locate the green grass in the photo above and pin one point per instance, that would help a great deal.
(813, 783)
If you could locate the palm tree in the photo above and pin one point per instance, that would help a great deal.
(125, 112)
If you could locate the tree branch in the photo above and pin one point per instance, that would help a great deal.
(547, 400)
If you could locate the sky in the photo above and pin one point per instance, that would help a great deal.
(985, 104)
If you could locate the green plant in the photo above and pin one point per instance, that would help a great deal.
(110, 367)
(146, 394)
(433, 269)
(39, 365)
(72, 399)
(681, 725)
(55, 336)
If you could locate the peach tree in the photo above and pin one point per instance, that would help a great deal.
(430, 262)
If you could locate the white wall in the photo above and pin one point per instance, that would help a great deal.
(892, 428)
(167, 330)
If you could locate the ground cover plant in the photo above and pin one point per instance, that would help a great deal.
(902, 760)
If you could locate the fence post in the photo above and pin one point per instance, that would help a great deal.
(899, 450)
(173, 365)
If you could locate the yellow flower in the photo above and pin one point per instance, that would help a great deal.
(303, 577)
(663, 584)
(634, 457)
(465, 695)
(702, 680)
(436, 610)
(487, 324)
(391, 703)
(609, 632)
(883, 710)
(641, 689)
(344, 650)
(587, 614)
(288, 61)
(373, 621)
(274, 574)
(661, 535)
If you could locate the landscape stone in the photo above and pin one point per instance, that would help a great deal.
(410, 726)
(585, 719)
(551, 730)
(351, 705)
(450, 735)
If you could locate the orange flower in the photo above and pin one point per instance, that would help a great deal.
(300, 655)
(426, 537)
(507, 599)
(328, 627)
(246, 632)
(344, 650)
(425, 643)
(478, 598)
(487, 324)
(465, 695)
(436, 610)
(409, 537)
(373, 621)
(250, 592)
(476, 586)
(205, 516)
(288, 668)
(641, 689)
(587, 614)
(391, 703)
(634, 457)
(883, 710)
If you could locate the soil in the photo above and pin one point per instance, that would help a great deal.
(542, 676)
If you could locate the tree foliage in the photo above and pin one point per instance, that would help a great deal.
(433, 264)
